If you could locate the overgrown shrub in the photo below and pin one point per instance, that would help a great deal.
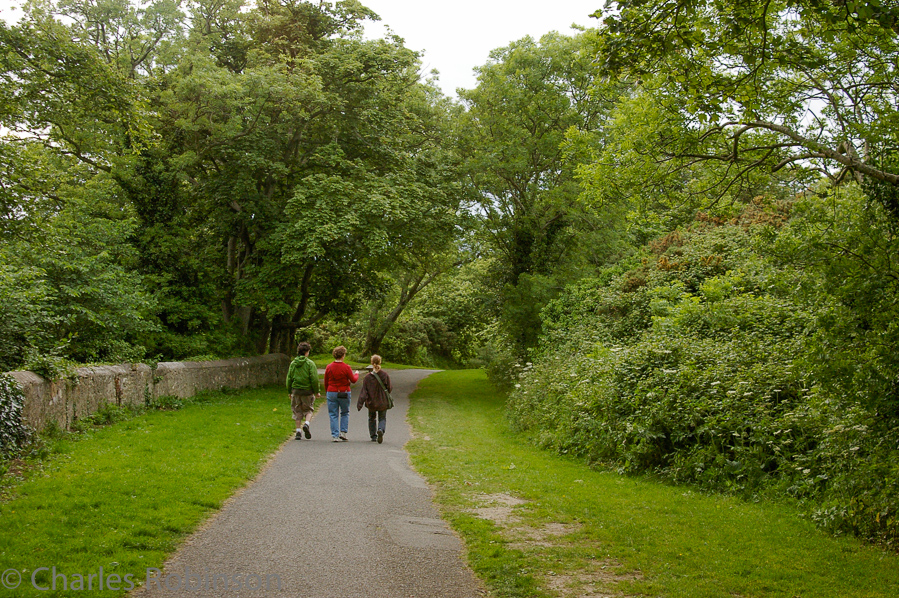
(741, 356)
(14, 433)
(25, 320)
(858, 457)
(725, 415)
(503, 368)
(49, 365)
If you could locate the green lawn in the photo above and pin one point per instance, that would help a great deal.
(583, 532)
(124, 496)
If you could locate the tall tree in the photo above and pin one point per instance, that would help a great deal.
(528, 96)
(642, 193)
(75, 122)
(311, 152)
(267, 156)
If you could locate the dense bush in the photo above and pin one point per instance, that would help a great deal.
(24, 316)
(68, 288)
(14, 433)
(713, 363)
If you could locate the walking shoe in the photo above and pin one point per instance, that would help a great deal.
(306, 431)
(374, 438)
(343, 437)
(380, 436)
(335, 439)
(299, 435)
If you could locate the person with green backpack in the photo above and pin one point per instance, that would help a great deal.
(302, 384)
(375, 395)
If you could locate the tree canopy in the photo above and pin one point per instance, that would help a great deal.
(806, 84)
(269, 159)
(529, 95)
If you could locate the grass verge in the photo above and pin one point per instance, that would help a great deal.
(537, 524)
(124, 496)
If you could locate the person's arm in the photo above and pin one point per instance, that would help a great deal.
(363, 394)
(353, 376)
(289, 376)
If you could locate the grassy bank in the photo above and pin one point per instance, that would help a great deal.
(537, 524)
(123, 497)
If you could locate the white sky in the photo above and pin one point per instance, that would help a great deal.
(458, 35)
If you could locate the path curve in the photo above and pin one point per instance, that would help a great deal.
(328, 520)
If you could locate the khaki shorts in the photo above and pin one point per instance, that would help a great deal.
(301, 403)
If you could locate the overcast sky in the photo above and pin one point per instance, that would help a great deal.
(457, 36)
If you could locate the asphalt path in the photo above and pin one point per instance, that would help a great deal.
(328, 520)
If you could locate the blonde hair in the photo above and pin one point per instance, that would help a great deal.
(376, 362)
(339, 352)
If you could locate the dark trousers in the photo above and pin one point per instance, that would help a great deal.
(377, 420)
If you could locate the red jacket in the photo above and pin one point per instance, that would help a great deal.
(339, 376)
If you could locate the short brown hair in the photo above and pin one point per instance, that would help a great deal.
(339, 352)
(303, 348)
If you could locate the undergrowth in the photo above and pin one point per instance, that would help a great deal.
(743, 357)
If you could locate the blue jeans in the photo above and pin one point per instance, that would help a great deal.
(342, 406)
(377, 420)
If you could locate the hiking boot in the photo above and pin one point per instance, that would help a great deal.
(306, 431)
(380, 436)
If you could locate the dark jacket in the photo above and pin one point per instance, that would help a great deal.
(372, 395)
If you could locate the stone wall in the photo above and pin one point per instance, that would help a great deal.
(64, 401)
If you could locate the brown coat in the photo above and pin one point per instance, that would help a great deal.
(372, 395)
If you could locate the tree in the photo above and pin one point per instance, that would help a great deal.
(806, 84)
(68, 286)
(77, 88)
(457, 301)
(411, 277)
(641, 192)
(528, 96)
(262, 155)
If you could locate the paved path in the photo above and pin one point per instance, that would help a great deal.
(328, 520)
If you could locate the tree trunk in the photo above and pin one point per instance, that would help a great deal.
(227, 308)
(265, 328)
(275, 335)
(246, 319)
(372, 344)
(375, 335)
(286, 341)
(228, 300)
